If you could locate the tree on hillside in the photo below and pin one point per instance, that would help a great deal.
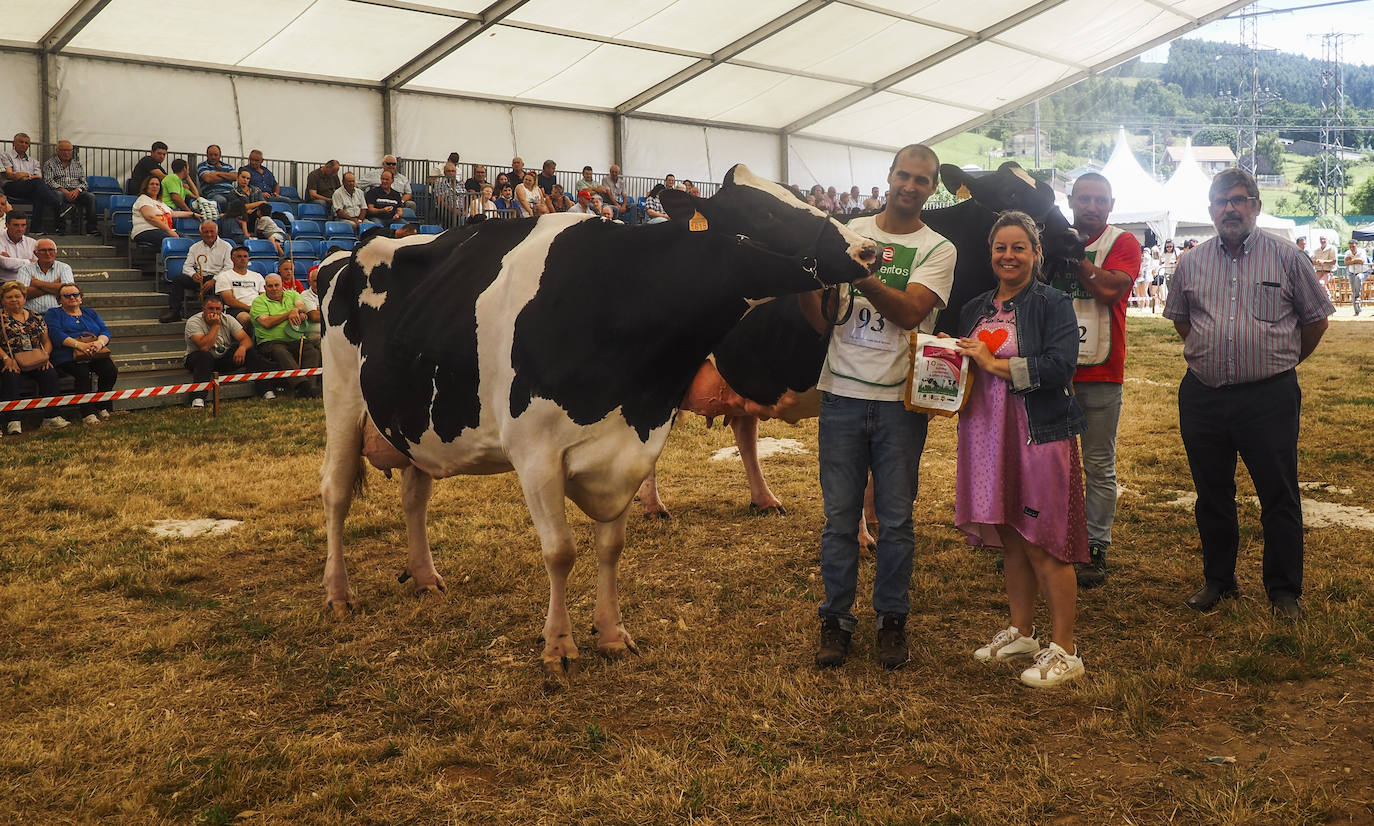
(1361, 201)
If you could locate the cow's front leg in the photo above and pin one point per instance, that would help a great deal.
(648, 497)
(415, 490)
(612, 638)
(868, 545)
(545, 499)
(761, 498)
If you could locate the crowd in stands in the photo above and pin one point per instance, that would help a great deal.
(249, 321)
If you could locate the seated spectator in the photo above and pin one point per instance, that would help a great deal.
(482, 204)
(408, 229)
(260, 176)
(817, 194)
(65, 176)
(505, 202)
(148, 165)
(811, 200)
(23, 178)
(502, 179)
(690, 188)
(559, 200)
(16, 245)
(547, 178)
(321, 184)
(670, 182)
(249, 207)
(81, 340)
(653, 207)
(532, 200)
(310, 300)
(179, 190)
(589, 181)
(45, 278)
(152, 219)
(856, 198)
(206, 259)
(286, 268)
(216, 177)
(438, 171)
(25, 352)
(873, 202)
(349, 202)
(479, 177)
(279, 323)
(603, 209)
(584, 203)
(517, 171)
(217, 343)
(833, 199)
(5, 207)
(613, 189)
(238, 287)
(450, 195)
(399, 182)
(384, 204)
(845, 207)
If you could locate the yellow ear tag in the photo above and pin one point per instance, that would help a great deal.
(698, 223)
(963, 194)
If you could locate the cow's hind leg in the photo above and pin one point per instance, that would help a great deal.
(545, 498)
(761, 498)
(612, 638)
(648, 497)
(415, 490)
(340, 479)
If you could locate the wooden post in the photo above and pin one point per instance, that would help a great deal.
(214, 395)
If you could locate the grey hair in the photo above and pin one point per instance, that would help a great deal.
(1228, 179)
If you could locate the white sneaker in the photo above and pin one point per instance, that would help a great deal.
(197, 404)
(103, 414)
(269, 396)
(1052, 667)
(91, 418)
(14, 428)
(1008, 643)
(55, 423)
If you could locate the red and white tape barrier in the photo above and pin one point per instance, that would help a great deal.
(145, 392)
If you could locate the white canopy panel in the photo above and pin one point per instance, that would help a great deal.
(881, 72)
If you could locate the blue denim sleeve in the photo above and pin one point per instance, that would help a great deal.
(1057, 360)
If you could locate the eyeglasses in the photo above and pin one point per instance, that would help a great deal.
(388, 163)
(1235, 203)
(71, 295)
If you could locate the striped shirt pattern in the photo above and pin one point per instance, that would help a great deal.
(71, 176)
(1246, 310)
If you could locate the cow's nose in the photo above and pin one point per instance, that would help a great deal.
(868, 253)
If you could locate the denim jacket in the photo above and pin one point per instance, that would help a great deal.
(1047, 343)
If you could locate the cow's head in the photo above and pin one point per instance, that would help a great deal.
(770, 218)
(1011, 187)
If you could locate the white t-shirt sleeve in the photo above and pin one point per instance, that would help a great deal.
(936, 273)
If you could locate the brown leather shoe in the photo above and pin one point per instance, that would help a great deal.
(1287, 608)
(1208, 596)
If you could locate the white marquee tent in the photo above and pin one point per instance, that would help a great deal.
(1187, 193)
(1140, 199)
(804, 90)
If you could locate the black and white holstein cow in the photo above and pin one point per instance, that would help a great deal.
(558, 347)
(769, 363)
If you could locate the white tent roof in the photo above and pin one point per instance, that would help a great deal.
(863, 72)
(1139, 197)
(1187, 193)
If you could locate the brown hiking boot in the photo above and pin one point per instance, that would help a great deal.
(834, 644)
(891, 648)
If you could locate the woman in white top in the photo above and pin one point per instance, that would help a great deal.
(482, 205)
(531, 199)
(151, 215)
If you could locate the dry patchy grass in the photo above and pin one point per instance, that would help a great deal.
(145, 680)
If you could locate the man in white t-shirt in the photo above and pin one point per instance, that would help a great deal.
(864, 425)
(1355, 266)
(238, 287)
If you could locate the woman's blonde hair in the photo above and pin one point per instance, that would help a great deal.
(11, 285)
(1022, 221)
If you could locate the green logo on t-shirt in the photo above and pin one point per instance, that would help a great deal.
(897, 261)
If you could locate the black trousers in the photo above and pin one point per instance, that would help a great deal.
(37, 191)
(1258, 422)
(84, 205)
(106, 374)
(202, 365)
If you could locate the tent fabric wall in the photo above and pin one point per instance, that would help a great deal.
(829, 164)
(697, 153)
(572, 139)
(428, 126)
(22, 109)
(311, 121)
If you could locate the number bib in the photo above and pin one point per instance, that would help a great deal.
(868, 328)
(1094, 318)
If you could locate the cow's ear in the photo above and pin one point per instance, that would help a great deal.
(678, 204)
(955, 179)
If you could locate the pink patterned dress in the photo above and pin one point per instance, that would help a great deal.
(1002, 478)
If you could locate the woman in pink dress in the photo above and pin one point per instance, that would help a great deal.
(1020, 482)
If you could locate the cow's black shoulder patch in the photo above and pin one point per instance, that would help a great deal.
(771, 350)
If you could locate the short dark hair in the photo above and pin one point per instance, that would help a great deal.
(158, 145)
(214, 146)
(411, 227)
(211, 299)
(586, 169)
(1231, 178)
(453, 157)
(920, 150)
(333, 248)
(178, 164)
(17, 215)
(240, 247)
(1093, 176)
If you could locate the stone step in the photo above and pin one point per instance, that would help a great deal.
(125, 328)
(102, 264)
(148, 313)
(93, 284)
(122, 298)
(163, 359)
(173, 340)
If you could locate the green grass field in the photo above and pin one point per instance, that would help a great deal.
(151, 681)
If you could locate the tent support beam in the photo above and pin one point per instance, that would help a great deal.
(455, 40)
(618, 140)
(784, 159)
(54, 41)
(387, 120)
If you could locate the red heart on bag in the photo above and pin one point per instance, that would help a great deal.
(994, 339)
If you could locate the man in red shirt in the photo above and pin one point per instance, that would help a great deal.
(1100, 291)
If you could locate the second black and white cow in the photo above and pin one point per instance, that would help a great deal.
(558, 347)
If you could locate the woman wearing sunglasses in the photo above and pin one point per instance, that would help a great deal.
(81, 348)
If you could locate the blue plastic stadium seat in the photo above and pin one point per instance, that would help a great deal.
(395, 227)
(430, 229)
(307, 229)
(173, 265)
(345, 244)
(261, 248)
(304, 248)
(102, 187)
(365, 226)
(290, 193)
(187, 226)
(263, 267)
(311, 212)
(172, 248)
(338, 229)
(303, 266)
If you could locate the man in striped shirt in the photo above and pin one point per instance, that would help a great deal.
(1249, 308)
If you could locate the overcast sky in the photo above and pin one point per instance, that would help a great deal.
(1299, 31)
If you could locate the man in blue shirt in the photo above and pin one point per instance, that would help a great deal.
(216, 177)
(260, 176)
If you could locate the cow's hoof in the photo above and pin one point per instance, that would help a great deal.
(340, 608)
(435, 588)
(767, 510)
(619, 650)
(867, 549)
(659, 514)
(561, 669)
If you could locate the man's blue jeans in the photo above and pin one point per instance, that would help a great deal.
(857, 435)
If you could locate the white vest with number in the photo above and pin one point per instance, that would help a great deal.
(1094, 317)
